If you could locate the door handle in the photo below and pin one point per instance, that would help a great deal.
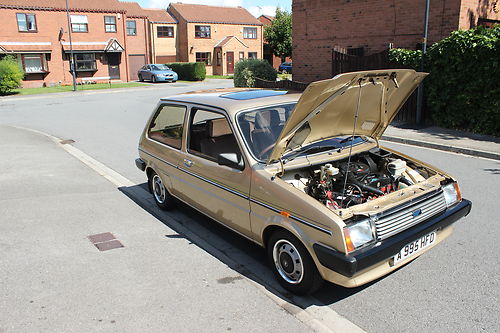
(188, 163)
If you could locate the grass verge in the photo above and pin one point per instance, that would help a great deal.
(97, 86)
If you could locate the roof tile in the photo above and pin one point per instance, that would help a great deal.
(214, 14)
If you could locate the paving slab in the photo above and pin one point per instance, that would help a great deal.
(55, 280)
(445, 139)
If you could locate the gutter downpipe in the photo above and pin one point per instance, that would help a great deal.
(71, 60)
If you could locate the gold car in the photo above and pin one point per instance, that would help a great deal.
(304, 175)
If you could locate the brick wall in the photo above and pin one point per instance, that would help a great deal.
(49, 24)
(472, 10)
(321, 25)
(164, 48)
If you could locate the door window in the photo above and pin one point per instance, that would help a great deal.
(210, 135)
(167, 125)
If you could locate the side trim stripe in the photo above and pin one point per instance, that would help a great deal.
(241, 195)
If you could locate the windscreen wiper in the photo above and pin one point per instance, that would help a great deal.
(310, 150)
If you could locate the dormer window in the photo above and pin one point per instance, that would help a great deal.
(26, 22)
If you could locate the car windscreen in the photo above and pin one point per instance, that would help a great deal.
(261, 128)
(159, 68)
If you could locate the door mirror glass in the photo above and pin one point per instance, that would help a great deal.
(231, 160)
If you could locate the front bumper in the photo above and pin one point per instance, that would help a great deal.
(166, 78)
(349, 265)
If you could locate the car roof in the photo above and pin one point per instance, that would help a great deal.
(235, 99)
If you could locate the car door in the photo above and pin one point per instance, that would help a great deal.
(219, 191)
(164, 140)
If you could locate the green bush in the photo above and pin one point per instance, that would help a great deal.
(11, 75)
(405, 58)
(247, 70)
(189, 71)
(462, 89)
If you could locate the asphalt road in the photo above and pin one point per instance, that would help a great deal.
(453, 288)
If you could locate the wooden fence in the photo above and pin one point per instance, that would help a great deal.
(343, 63)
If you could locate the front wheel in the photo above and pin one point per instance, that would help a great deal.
(162, 198)
(292, 265)
(153, 79)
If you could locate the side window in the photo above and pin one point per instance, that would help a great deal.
(168, 125)
(210, 135)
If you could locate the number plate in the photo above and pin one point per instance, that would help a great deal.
(415, 247)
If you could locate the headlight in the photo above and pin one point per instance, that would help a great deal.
(451, 194)
(358, 234)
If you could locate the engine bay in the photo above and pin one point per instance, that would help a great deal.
(364, 177)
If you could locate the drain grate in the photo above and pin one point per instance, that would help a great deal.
(105, 241)
(67, 142)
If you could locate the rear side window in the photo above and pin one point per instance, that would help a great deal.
(168, 125)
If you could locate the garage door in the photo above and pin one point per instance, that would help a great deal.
(135, 62)
(165, 59)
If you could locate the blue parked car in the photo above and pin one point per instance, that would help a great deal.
(286, 67)
(157, 73)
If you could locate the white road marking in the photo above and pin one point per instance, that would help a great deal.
(321, 319)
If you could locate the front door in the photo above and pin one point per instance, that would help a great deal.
(114, 59)
(230, 62)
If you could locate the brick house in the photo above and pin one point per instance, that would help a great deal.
(109, 39)
(217, 36)
(368, 26)
(163, 36)
(268, 51)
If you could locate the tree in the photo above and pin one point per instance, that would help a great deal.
(10, 75)
(279, 34)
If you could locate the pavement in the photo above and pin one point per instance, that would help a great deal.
(54, 279)
(445, 139)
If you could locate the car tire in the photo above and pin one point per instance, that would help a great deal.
(140, 78)
(153, 79)
(292, 265)
(160, 193)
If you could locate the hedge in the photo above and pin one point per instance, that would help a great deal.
(247, 70)
(11, 75)
(189, 71)
(462, 89)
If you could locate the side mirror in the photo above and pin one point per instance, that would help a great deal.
(231, 160)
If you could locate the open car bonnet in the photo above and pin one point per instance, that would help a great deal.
(327, 108)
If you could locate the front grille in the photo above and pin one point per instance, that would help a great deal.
(393, 222)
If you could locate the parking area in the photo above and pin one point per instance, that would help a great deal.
(180, 270)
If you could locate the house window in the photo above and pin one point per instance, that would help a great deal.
(33, 63)
(250, 33)
(252, 55)
(79, 23)
(204, 57)
(26, 22)
(110, 23)
(202, 31)
(242, 55)
(165, 32)
(85, 62)
(131, 28)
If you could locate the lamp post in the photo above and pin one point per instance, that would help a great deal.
(71, 60)
(420, 92)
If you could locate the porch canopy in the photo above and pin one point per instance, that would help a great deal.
(112, 45)
(25, 47)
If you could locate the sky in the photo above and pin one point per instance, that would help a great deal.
(256, 7)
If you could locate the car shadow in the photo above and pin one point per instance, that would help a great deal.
(240, 254)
